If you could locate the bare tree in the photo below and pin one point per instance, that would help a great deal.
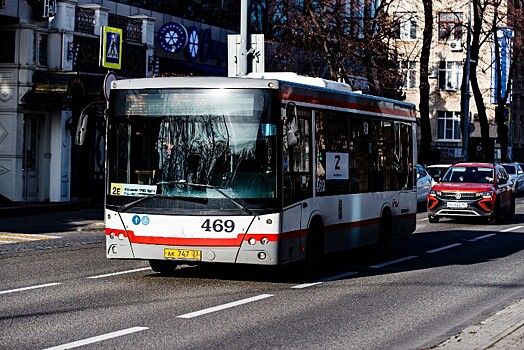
(335, 39)
(425, 125)
(488, 18)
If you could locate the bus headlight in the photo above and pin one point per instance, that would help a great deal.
(112, 235)
(120, 236)
(252, 241)
(262, 255)
(264, 241)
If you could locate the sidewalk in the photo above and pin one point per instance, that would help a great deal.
(49, 217)
(503, 330)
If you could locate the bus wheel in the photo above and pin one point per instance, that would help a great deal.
(164, 267)
(312, 263)
(384, 234)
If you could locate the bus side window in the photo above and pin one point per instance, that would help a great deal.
(297, 163)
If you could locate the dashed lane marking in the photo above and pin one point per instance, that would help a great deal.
(443, 248)
(225, 306)
(98, 338)
(512, 229)
(29, 288)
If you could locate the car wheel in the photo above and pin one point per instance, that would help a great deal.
(511, 212)
(433, 219)
(495, 216)
(164, 267)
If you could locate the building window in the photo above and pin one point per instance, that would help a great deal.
(448, 126)
(450, 75)
(406, 26)
(450, 26)
(408, 69)
(7, 49)
(40, 49)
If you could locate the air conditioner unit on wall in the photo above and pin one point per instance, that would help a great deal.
(455, 45)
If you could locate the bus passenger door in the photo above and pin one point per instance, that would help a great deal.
(298, 186)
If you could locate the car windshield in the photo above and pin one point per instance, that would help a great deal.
(469, 174)
(510, 169)
(436, 171)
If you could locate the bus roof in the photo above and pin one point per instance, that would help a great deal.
(294, 87)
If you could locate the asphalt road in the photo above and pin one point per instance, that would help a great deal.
(59, 291)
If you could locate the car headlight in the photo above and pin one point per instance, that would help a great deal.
(435, 193)
(487, 194)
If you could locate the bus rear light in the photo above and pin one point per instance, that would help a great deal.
(252, 241)
(262, 255)
(264, 241)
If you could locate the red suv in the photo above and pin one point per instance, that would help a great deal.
(472, 189)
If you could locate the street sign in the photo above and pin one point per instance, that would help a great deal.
(111, 47)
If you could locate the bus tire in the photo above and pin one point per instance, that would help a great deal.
(385, 233)
(164, 267)
(311, 265)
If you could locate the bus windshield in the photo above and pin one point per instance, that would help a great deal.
(205, 144)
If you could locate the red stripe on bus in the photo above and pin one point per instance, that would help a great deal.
(317, 100)
(241, 237)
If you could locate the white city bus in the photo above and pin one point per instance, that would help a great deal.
(263, 170)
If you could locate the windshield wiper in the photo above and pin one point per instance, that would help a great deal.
(125, 207)
(237, 203)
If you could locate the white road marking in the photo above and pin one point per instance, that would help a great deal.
(29, 288)
(393, 262)
(98, 338)
(443, 248)
(120, 273)
(512, 229)
(305, 285)
(327, 279)
(481, 237)
(225, 306)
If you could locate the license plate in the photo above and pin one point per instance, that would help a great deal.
(183, 254)
(457, 205)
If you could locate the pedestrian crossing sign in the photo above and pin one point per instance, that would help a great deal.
(111, 47)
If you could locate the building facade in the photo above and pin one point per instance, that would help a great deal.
(448, 55)
(51, 78)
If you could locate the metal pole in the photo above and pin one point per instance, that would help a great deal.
(465, 99)
(242, 59)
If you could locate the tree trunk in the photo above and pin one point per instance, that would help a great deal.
(425, 154)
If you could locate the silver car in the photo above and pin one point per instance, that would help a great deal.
(424, 183)
(516, 175)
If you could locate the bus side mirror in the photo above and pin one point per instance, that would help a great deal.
(81, 129)
(291, 127)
